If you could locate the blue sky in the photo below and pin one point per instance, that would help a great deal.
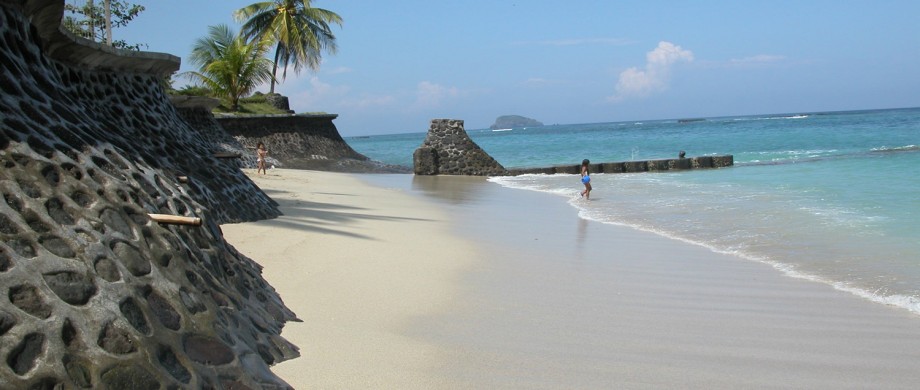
(402, 63)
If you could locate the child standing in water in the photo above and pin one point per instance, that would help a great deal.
(586, 179)
(261, 153)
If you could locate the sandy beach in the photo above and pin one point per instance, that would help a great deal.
(454, 282)
(356, 263)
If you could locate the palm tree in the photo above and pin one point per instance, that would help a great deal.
(229, 65)
(299, 31)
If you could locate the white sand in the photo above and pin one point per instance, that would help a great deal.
(394, 296)
(354, 262)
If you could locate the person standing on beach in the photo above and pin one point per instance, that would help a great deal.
(586, 179)
(261, 152)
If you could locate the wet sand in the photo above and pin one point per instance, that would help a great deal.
(453, 282)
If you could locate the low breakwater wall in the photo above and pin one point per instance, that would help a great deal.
(94, 292)
(701, 162)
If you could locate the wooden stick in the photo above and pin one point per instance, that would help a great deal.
(175, 219)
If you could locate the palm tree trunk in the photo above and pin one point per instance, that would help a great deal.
(274, 70)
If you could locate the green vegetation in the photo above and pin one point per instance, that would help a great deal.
(256, 104)
(299, 32)
(253, 105)
(228, 65)
(193, 90)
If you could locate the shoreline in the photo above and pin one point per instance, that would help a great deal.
(545, 299)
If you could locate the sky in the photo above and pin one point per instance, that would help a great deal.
(401, 63)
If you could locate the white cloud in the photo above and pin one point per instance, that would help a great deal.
(656, 75)
(322, 96)
(429, 94)
(312, 94)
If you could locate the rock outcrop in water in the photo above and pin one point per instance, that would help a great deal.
(448, 150)
(95, 293)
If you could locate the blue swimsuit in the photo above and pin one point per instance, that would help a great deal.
(586, 179)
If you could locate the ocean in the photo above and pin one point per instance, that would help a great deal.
(828, 196)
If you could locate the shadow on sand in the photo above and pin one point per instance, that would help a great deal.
(327, 218)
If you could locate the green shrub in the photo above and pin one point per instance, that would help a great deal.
(250, 109)
(194, 90)
(256, 98)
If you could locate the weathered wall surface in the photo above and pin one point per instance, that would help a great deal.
(300, 142)
(94, 293)
(449, 150)
(197, 112)
(674, 164)
(297, 141)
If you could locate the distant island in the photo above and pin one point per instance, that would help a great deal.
(512, 121)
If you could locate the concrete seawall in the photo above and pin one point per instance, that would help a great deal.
(676, 164)
(302, 141)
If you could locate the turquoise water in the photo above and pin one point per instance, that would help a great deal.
(830, 197)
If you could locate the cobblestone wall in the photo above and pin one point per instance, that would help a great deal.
(449, 150)
(95, 293)
(298, 141)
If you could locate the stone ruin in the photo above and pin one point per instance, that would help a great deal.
(95, 294)
(278, 101)
(448, 150)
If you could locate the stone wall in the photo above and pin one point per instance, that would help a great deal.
(94, 293)
(300, 142)
(197, 112)
(448, 150)
(675, 164)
